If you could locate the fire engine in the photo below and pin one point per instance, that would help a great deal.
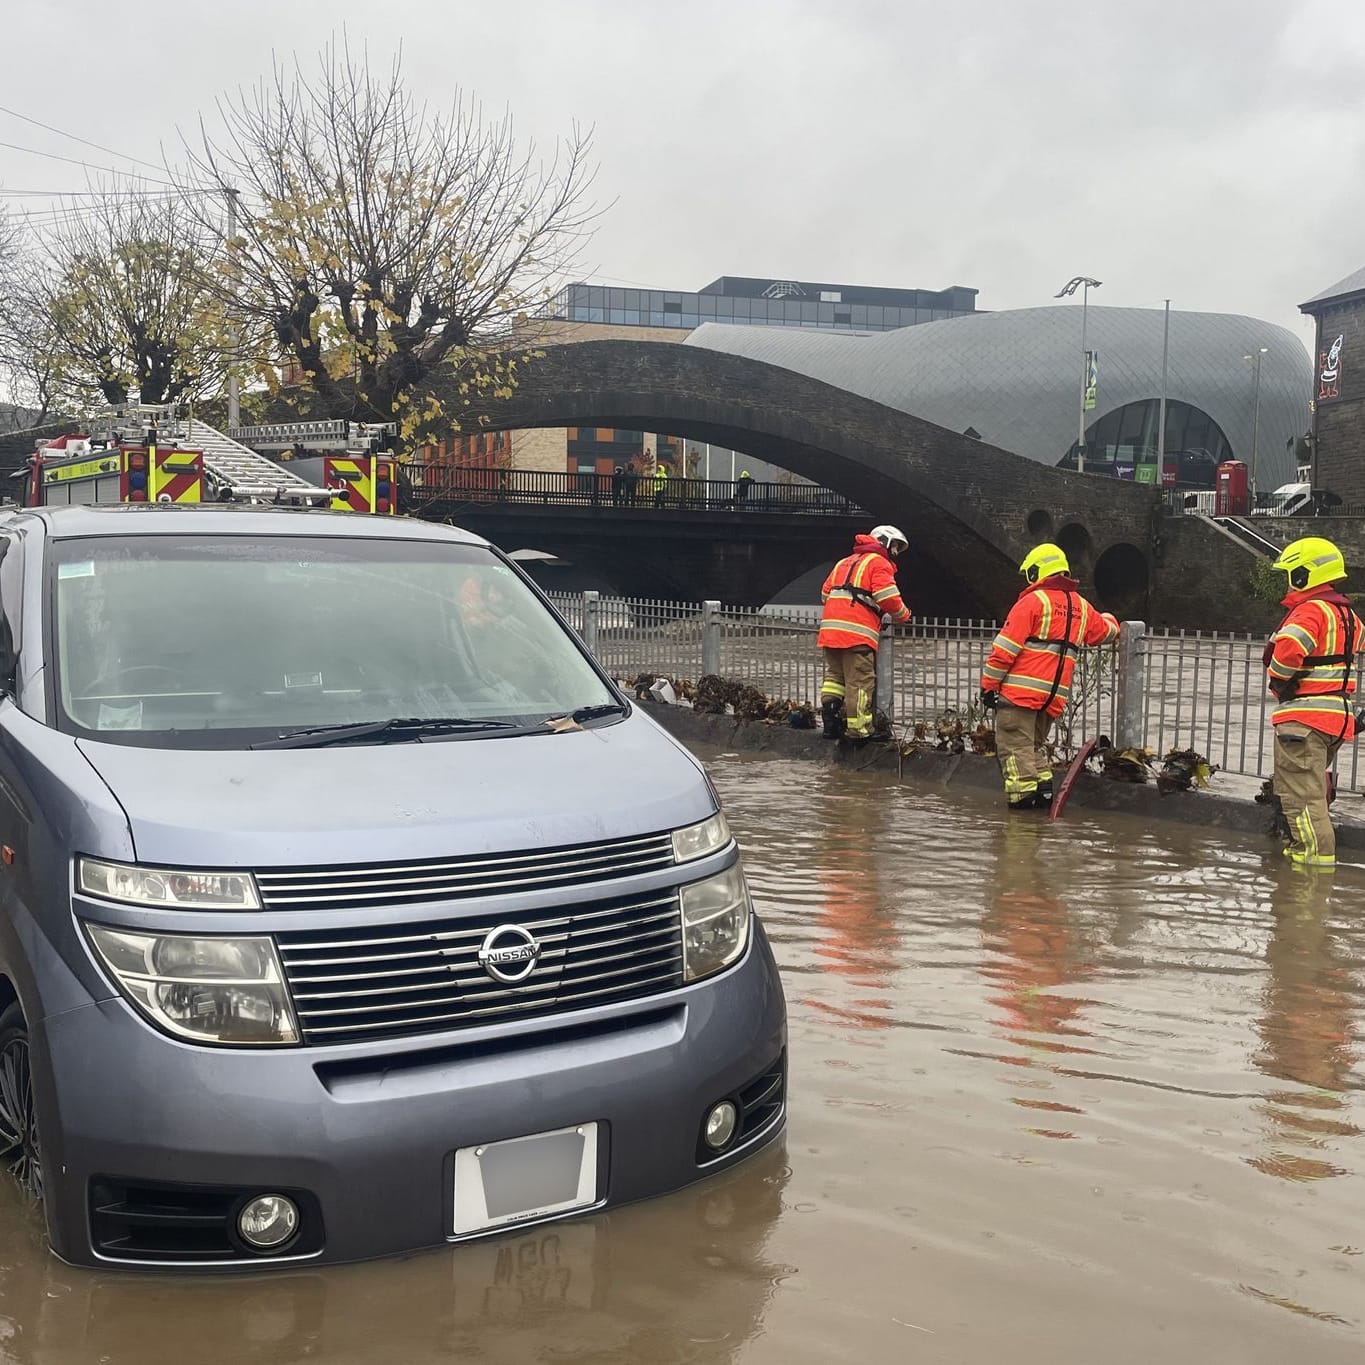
(153, 454)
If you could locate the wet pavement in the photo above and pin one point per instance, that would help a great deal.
(1060, 1093)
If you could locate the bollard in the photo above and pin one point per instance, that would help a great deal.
(710, 639)
(884, 699)
(1130, 713)
(592, 611)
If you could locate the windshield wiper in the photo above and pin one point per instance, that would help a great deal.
(395, 730)
(607, 708)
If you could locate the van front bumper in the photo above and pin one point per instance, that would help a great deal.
(369, 1134)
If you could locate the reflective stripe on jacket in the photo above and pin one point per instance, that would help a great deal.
(1311, 663)
(1033, 659)
(860, 589)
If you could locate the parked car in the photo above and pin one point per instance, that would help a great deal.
(347, 906)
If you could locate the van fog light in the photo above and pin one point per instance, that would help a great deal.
(268, 1221)
(720, 1125)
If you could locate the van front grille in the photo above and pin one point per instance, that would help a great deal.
(355, 886)
(352, 985)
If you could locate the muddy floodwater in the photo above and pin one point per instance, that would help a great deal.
(1079, 1092)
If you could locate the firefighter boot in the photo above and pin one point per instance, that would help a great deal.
(832, 717)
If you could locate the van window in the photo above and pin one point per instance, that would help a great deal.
(222, 640)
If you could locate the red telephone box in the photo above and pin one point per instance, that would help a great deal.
(1231, 490)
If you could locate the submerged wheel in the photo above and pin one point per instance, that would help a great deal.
(19, 1149)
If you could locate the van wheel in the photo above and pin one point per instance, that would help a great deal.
(18, 1116)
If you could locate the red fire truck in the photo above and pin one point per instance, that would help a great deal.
(182, 460)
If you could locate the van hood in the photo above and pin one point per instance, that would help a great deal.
(365, 803)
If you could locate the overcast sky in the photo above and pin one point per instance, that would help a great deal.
(1209, 150)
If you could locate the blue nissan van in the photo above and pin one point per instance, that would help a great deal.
(348, 907)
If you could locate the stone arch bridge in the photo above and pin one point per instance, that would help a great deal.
(971, 510)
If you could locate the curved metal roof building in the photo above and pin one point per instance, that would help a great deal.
(1014, 379)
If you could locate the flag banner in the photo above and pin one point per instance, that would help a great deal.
(1092, 378)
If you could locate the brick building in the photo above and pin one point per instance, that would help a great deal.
(1339, 388)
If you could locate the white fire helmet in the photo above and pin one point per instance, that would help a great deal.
(893, 540)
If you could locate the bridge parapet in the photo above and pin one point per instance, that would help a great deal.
(442, 483)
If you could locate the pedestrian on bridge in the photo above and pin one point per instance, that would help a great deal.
(742, 488)
(860, 590)
(1028, 674)
(660, 483)
(1310, 667)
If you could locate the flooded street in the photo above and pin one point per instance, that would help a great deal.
(1059, 1093)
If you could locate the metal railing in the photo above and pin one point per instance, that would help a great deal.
(537, 488)
(1154, 689)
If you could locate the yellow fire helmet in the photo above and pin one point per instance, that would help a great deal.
(1043, 561)
(1311, 562)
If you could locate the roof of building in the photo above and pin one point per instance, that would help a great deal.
(1015, 376)
(1354, 283)
(957, 296)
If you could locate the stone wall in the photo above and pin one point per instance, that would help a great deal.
(1346, 533)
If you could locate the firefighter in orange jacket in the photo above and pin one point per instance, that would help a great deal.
(1027, 677)
(860, 590)
(1310, 667)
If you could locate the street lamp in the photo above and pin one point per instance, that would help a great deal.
(1085, 284)
(1255, 358)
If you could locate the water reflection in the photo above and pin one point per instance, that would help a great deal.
(667, 1281)
(1306, 1029)
(856, 920)
(1037, 950)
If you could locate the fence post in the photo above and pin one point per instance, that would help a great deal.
(592, 604)
(885, 699)
(1131, 709)
(710, 638)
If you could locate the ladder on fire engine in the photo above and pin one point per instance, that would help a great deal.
(230, 465)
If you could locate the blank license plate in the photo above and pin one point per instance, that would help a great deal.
(509, 1182)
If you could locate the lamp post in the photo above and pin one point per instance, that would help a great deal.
(1255, 359)
(1161, 415)
(1085, 284)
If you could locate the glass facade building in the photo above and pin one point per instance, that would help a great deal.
(1124, 443)
(760, 303)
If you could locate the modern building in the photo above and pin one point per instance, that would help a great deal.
(760, 303)
(1338, 434)
(592, 312)
(1237, 388)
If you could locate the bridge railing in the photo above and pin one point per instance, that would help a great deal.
(1154, 689)
(541, 488)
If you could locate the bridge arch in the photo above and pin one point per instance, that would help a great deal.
(967, 506)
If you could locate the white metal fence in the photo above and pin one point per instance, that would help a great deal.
(1157, 689)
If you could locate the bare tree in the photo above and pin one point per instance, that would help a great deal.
(114, 298)
(380, 241)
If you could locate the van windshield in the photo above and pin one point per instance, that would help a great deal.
(222, 641)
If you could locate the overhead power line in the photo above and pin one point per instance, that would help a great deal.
(99, 147)
(103, 170)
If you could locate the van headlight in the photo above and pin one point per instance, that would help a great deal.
(715, 922)
(696, 841)
(164, 888)
(210, 990)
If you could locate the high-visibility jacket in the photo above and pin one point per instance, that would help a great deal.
(1311, 662)
(1034, 656)
(661, 476)
(860, 590)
